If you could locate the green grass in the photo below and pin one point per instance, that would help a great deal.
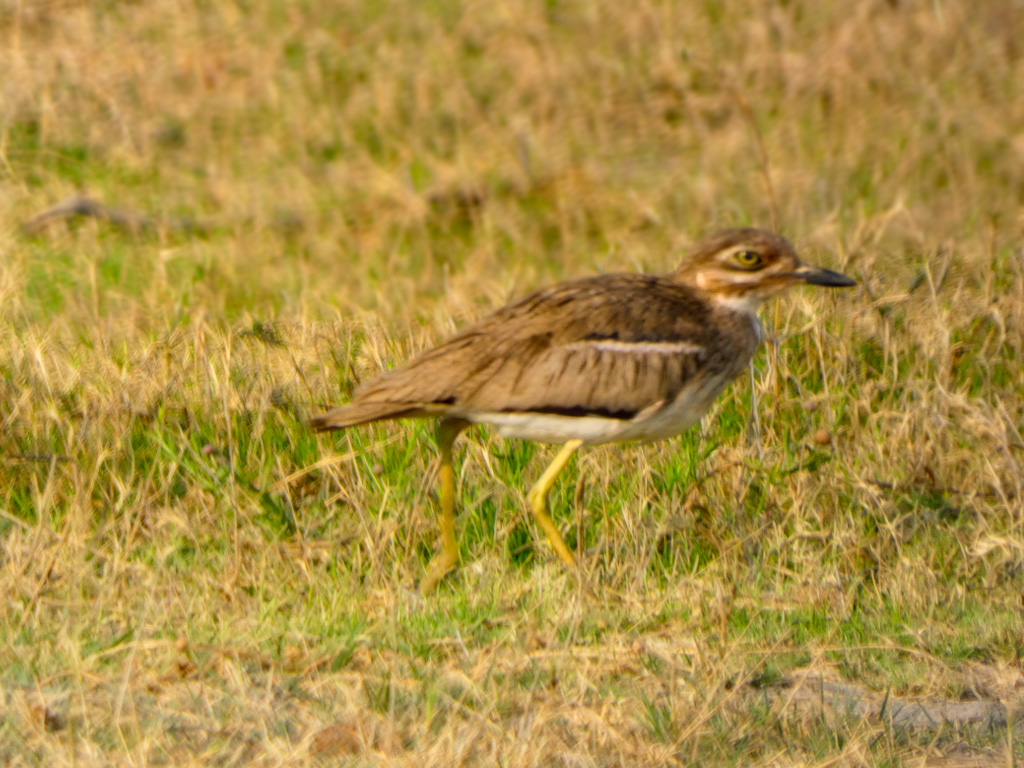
(190, 576)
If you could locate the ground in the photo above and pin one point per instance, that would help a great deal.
(217, 218)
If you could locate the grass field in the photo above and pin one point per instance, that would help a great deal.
(829, 572)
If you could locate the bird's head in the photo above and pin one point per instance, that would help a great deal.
(743, 267)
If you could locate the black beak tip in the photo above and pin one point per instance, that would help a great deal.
(826, 277)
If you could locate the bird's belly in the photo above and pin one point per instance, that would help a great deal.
(656, 423)
(689, 405)
(550, 427)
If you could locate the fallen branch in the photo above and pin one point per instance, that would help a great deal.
(80, 205)
(814, 695)
(903, 487)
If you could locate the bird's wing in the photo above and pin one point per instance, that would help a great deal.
(611, 345)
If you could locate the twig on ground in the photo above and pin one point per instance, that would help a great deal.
(843, 698)
(887, 486)
(80, 205)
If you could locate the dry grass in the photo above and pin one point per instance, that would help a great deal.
(190, 577)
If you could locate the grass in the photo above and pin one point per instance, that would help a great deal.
(191, 577)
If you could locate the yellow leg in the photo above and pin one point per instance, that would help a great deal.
(538, 498)
(448, 557)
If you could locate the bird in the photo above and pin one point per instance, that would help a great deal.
(611, 358)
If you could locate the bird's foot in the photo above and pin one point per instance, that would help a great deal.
(440, 566)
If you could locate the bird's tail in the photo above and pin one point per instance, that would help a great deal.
(363, 413)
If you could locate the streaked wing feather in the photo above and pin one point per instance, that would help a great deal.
(613, 344)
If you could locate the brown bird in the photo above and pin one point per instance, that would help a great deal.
(612, 358)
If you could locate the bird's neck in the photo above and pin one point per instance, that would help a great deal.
(737, 300)
(745, 306)
(745, 303)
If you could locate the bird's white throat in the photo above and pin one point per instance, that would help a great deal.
(746, 304)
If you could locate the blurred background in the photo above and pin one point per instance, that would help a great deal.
(217, 218)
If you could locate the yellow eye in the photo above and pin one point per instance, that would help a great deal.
(748, 259)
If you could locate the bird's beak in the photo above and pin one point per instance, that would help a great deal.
(821, 276)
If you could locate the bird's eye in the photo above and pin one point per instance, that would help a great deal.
(748, 259)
